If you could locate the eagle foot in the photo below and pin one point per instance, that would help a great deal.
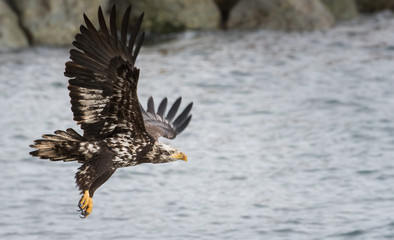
(85, 205)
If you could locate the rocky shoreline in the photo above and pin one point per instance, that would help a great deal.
(46, 22)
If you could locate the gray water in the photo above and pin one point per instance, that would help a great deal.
(292, 137)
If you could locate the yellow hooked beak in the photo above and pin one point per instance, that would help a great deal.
(180, 156)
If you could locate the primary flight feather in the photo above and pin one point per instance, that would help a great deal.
(117, 130)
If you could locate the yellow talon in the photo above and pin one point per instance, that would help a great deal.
(89, 207)
(84, 197)
(86, 204)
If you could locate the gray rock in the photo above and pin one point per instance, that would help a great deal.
(342, 9)
(173, 15)
(287, 15)
(55, 22)
(11, 35)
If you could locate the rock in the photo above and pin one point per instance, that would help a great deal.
(374, 5)
(11, 35)
(287, 15)
(342, 9)
(173, 15)
(225, 7)
(55, 22)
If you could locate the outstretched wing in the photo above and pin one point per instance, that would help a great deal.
(103, 88)
(159, 126)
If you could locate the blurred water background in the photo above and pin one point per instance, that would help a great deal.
(292, 137)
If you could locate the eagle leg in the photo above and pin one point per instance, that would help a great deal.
(85, 204)
(91, 175)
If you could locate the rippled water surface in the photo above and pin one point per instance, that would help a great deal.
(292, 137)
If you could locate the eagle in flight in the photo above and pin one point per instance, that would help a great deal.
(117, 130)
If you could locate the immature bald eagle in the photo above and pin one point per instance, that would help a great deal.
(118, 132)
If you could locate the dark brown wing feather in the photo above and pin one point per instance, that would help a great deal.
(159, 126)
(103, 88)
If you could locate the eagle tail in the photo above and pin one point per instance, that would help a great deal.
(64, 145)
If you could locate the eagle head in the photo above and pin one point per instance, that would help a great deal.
(166, 153)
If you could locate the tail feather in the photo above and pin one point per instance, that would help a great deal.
(64, 145)
(70, 135)
(76, 135)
